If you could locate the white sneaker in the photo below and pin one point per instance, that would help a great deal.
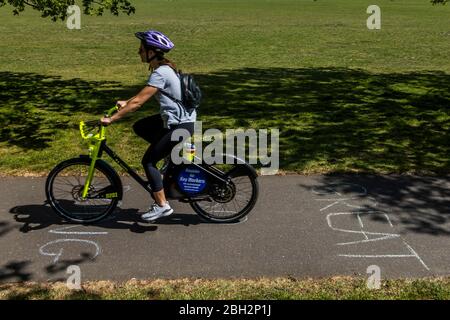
(156, 212)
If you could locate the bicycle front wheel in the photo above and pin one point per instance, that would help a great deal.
(65, 184)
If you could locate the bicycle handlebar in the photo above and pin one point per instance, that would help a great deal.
(92, 123)
(111, 111)
(84, 126)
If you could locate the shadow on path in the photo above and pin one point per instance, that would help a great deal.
(421, 205)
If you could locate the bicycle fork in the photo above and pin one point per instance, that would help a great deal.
(93, 153)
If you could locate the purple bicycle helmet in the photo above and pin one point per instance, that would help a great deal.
(153, 39)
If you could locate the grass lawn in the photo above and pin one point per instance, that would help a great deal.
(337, 288)
(344, 98)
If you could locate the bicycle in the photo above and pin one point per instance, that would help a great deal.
(87, 189)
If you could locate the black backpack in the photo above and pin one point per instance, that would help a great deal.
(191, 94)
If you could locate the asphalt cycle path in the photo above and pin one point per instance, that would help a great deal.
(301, 226)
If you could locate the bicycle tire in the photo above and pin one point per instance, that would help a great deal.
(251, 175)
(100, 167)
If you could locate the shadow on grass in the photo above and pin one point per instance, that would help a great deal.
(36, 106)
(340, 118)
(332, 118)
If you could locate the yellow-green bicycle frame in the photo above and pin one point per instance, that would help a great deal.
(94, 142)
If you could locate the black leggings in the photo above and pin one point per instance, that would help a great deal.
(152, 130)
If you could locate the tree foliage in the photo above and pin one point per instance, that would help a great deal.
(57, 9)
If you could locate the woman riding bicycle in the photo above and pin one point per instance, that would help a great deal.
(157, 129)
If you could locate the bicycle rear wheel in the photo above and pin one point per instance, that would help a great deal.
(231, 202)
(64, 187)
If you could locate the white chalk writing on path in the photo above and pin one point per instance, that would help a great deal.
(367, 236)
(60, 252)
(64, 231)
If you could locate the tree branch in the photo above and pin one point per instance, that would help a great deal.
(31, 5)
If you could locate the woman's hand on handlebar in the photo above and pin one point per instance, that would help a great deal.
(106, 121)
(120, 104)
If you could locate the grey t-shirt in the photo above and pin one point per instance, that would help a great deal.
(172, 113)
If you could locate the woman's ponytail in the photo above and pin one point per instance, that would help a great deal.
(167, 62)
